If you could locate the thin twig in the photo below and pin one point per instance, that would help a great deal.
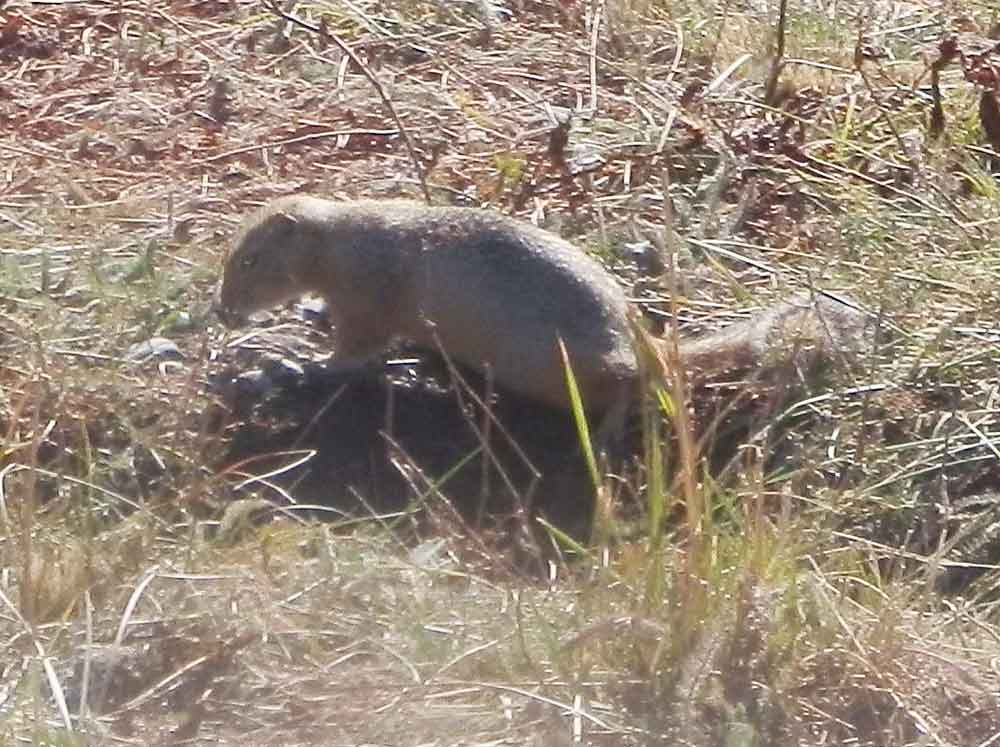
(373, 79)
(778, 64)
(595, 31)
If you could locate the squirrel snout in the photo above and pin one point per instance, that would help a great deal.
(229, 317)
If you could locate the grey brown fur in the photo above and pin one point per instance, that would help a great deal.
(495, 291)
(492, 291)
(800, 332)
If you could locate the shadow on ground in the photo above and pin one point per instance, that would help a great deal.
(383, 438)
(381, 441)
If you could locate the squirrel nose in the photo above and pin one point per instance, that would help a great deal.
(229, 317)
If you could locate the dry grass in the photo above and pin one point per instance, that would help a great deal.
(816, 605)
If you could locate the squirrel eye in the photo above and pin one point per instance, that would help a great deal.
(248, 262)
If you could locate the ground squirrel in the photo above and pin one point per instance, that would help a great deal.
(496, 292)
(492, 291)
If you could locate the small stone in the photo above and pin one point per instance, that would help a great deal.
(154, 347)
(314, 310)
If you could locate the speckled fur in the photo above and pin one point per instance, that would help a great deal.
(801, 331)
(493, 291)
